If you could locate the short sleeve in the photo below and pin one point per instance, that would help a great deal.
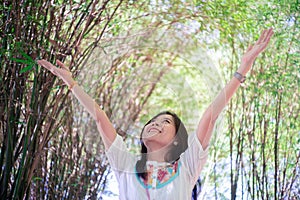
(120, 159)
(194, 157)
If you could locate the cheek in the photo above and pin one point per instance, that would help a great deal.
(145, 134)
(171, 131)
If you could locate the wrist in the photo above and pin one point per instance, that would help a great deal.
(244, 68)
(240, 77)
(241, 71)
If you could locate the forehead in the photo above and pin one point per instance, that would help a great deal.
(164, 116)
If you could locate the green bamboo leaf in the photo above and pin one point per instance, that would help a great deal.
(18, 60)
(26, 56)
(26, 69)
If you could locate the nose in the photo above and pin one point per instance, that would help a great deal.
(155, 123)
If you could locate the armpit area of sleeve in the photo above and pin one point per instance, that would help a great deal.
(119, 157)
(194, 158)
(197, 146)
(117, 145)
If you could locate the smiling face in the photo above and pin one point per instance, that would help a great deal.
(160, 132)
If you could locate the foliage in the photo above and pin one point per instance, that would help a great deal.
(262, 122)
(36, 161)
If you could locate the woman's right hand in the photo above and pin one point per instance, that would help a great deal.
(63, 72)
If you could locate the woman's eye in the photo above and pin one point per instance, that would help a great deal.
(167, 121)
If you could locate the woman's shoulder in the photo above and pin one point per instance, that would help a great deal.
(119, 156)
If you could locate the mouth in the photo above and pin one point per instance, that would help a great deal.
(154, 129)
(151, 132)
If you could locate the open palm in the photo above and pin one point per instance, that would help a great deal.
(254, 50)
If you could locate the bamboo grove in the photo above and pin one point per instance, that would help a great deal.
(120, 52)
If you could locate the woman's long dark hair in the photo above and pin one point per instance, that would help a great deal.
(177, 147)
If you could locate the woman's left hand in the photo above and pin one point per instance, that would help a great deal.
(254, 50)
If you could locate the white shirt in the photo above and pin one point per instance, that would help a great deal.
(178, 187)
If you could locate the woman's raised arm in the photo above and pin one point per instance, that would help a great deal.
(105, 127)
(210, 116)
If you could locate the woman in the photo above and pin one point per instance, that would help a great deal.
(166, 163)
(168, 168)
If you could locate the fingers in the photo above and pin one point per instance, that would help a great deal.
(269, 35)
(43, 63)
(265, 36)
(266, 39)
(52, 68)
(261, 37)
(47, 65)
(63, 73)
(62, 65)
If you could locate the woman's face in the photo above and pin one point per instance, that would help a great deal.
(160, 132)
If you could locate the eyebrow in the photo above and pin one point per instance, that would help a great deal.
(168, 118)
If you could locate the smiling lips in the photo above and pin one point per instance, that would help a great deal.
(154, 129)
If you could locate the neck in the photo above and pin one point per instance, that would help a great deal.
(157, 154)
